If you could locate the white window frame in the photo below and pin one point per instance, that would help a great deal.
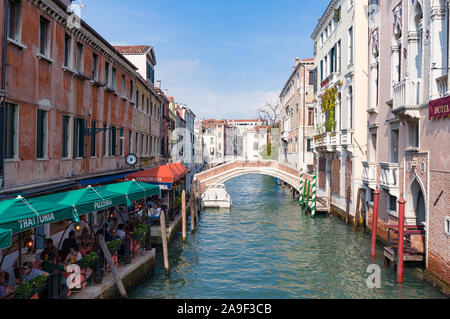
(45, 140)
(17, 36)
(114, 78)
(124, 86)
(70, 61)
(16, 132)
(447, 225)
(69, 138)
(95, 67)
(80, 58)
(413, 126)
(351, 45)
(47, 49)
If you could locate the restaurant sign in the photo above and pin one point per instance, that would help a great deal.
(36, 221)
(440, 108)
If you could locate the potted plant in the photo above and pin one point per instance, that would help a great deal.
(140, 231)
(27, 289)
(88, 260)
(114, 246)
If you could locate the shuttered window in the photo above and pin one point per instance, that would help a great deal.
(113, 141)
(78, 137)
(93, 139)
(11, 131)
(65, 136)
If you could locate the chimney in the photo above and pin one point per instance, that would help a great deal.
(158, 84)
(297, 61)
(165, 92)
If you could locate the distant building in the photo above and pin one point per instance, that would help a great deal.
(297, 117)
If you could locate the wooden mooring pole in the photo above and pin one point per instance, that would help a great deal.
(112, 266)
(191, 203)
(358, 206)
(375, 222)
(183, 214)
(347, 211)
(164, 241)
(192, 218)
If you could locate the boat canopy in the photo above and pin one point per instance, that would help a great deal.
(20, 214)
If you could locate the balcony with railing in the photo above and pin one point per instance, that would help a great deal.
(369, 175)
(406, 94)
(346, 138)
(389, 178)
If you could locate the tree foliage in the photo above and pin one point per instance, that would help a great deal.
(271, 113)
(328, 107)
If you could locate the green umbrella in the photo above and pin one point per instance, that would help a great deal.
(20, 214)
(5, 238)
(132, 190)
(86, 200)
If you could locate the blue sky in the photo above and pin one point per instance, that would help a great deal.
(223, 58)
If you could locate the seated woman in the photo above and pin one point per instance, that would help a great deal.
(5, 289)
(85, 248)
(73, 256)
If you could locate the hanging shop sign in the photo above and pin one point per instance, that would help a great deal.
(440, 108)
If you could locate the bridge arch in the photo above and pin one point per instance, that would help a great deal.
(225, 172)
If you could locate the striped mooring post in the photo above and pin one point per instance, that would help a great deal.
(308, 194)
(304, 192)
(313, 199)
(300, 198)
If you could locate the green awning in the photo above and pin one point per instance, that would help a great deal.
(86, 200)
(21, 214)
(5, 238)
(133, 190)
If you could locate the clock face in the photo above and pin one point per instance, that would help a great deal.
(131, 159)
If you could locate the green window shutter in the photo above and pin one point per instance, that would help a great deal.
(64, 137)
(93, 139)
(11, 110)
(40, 134)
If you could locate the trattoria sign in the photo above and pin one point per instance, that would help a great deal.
(440, 108)
(36, 221)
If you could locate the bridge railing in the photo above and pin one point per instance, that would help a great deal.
(236, 164)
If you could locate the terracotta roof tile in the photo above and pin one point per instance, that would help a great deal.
(133, 49)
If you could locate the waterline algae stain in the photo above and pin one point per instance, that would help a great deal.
(263, 248)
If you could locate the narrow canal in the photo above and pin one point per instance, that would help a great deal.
(265, 248)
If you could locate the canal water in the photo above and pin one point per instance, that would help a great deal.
(264, 247)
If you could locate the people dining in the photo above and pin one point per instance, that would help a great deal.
(69, 242)
(5, 289)
(50, 252)
(120, 231)
(86, 236)
(73, 256)
(29, 272)
(85, 248)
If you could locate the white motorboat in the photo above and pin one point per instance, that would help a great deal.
(216, 196)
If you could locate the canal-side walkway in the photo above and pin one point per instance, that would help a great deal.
(141, 266)
(172, 230)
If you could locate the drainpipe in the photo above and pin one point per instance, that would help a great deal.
(3, 90)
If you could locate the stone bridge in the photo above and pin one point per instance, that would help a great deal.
(221, 174)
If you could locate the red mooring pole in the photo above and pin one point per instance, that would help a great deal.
(375, 222)
(401, 239)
